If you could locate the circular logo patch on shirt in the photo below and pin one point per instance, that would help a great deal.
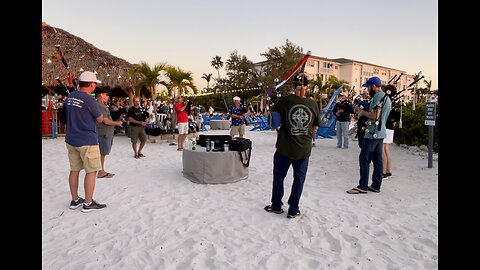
(299, 117)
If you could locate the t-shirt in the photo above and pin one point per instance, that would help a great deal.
(138, 114)
(238, 111)
(294, 139)
(81, 111)
(182, 116)
(386, 106)
(101, 127)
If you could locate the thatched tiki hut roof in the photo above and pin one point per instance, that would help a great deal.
(80, 56)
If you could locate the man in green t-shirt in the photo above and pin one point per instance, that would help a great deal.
(300, 120)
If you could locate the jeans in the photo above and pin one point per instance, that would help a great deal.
(342, 133)
(371, 152)
(281, 164)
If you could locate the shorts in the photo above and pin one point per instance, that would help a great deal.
(389, 138)
(84, 157)
(105, 144)
(234, 130)
(182, 128)
(136, 133)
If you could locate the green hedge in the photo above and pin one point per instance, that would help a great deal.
(414, 131)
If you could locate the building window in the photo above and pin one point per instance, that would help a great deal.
(367, 71)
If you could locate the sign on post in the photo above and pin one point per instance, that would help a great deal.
(430, 112)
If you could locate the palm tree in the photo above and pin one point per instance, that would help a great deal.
(179, 81)
(414, 91)
(321, 88)
(427, 91)
(217, 64)
(150, 79)
(207, 77)
(150, 76)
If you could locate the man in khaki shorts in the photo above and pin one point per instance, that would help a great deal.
(82, 114)
(238, 114)
(137, 120)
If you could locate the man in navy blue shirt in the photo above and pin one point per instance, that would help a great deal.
(83, 114)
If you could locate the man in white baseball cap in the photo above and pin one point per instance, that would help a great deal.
(88, 76)
(82, 115)
(238, 114)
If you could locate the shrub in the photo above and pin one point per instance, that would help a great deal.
(414, 131)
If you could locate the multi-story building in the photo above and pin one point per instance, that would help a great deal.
(355, 73)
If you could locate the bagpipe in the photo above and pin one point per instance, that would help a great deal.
(61, 58)
(118, 113)
(394, 116)
(274, 118)
(62, 112)
(300, 65)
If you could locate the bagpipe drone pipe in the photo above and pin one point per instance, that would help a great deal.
(394, 115)
(394, 95)
(274, 118)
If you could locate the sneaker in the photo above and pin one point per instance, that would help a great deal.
(389, 174)
(269, 208)
(76, 204)
(384, 176)
(94, 206)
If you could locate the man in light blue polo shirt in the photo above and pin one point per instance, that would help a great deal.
(372, 143)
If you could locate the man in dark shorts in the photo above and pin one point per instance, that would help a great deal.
(137, 119)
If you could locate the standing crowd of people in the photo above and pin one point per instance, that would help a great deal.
(93, 123)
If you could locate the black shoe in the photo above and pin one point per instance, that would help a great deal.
(269, 208)
(384, 176)
(76, 204)
(389, 174)
(94, 206)
(293, 216)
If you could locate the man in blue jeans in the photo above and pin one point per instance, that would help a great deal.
(372, 143)
(299, 122)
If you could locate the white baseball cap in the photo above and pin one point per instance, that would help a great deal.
(88, 76)
(236, 98)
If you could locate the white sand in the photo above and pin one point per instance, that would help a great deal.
(157, 219)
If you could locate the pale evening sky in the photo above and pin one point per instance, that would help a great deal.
(188, 34)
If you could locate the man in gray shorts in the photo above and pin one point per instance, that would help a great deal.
(105, 130)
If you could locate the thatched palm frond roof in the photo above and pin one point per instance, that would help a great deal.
(79, 54)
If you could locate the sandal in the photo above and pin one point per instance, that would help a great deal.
(356, 191)
(141, 155)
(136, 156)
(269, 208)
(373, 190)
(179, 149)
(108, 175)
(294, 216)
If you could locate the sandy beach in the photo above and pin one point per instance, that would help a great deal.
(157, 219)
